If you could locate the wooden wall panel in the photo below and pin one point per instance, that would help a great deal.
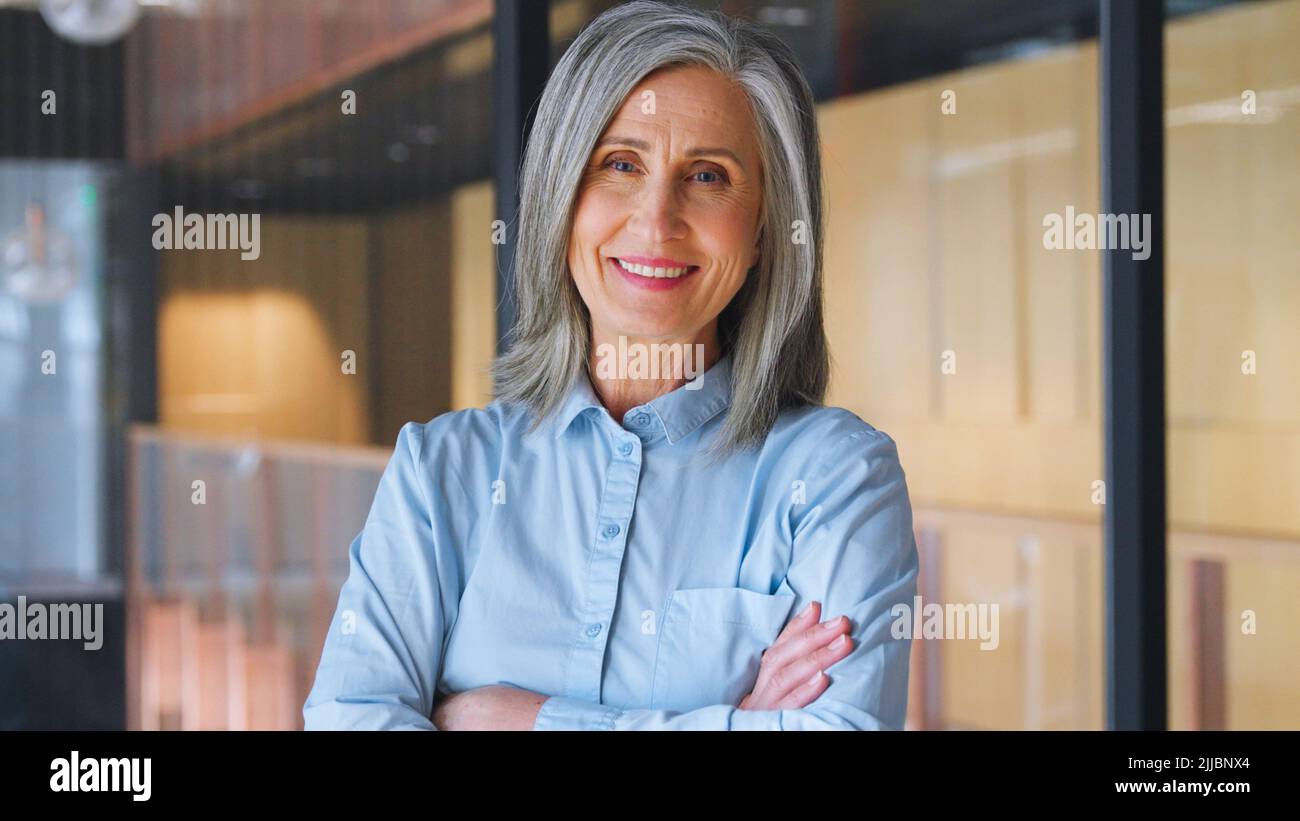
(1056, 108)
(1262, 668)
(974, 246)
(1233, 274)
(239, 60)
(934, 241)
(411, 258)
(984, 688)
(1066, 634)
(876, 254)
(1019, 425)
(473, 295)
(254, 346)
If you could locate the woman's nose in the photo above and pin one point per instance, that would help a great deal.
(657, 216)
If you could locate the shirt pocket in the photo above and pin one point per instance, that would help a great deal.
(711, 643)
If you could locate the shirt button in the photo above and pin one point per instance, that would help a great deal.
(625, 448)
(593, 630)
(611, 531)
(641, 419)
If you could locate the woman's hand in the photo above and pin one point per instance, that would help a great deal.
(495, 707)
(790, 675)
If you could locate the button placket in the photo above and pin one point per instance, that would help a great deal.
(584, 675)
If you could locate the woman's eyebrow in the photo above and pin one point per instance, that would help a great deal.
(642, 145)
(717, 152)
(631, 142)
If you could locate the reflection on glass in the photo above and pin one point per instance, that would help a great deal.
(1232, 85)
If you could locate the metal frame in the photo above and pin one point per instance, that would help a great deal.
(520, 65)
(1132, 171)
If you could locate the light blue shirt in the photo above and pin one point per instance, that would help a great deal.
(609, 566)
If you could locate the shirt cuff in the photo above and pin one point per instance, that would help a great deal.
(560, 713)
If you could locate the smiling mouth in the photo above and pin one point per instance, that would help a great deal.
(650, 272)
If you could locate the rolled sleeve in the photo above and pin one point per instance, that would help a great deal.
(560, 713)
(383, 651)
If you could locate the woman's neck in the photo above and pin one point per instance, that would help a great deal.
(630, 371)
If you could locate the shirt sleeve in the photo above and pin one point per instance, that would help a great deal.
(383, 651)
(855, 552)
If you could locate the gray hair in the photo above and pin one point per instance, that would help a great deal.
(773, 327)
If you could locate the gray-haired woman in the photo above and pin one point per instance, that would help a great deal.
(645, 528)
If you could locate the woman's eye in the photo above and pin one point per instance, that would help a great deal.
(621, 165)
(716, 177)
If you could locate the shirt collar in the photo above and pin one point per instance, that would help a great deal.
(680, 412)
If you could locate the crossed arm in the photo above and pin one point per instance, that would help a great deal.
(372, 679)
(790, 677)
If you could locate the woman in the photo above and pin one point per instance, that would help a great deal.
(631, 537)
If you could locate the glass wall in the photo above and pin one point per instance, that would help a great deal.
(953, 135)
(978, 349)
(359, 135)
(1232, 86)
(52, 424)
(348, 147)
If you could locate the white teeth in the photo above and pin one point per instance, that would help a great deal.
(646, 271)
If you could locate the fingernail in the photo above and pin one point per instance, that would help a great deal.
(838, 643)
(816, 677)
(835, 622)
(806, 610)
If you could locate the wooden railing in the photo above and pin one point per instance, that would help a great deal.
(231, 583)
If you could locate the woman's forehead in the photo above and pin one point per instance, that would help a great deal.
(708, 107)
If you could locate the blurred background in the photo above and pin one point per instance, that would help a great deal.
(202, 455)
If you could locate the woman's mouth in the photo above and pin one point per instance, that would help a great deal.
(652, 277)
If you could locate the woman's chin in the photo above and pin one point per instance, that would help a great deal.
(642, 332)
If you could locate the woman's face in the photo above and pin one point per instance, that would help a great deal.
(666, 221)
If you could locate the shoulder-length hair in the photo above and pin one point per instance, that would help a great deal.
(773, 326)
